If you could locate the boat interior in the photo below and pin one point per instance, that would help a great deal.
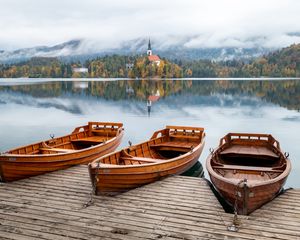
(81, 138)
(254, 157)
(163, 145)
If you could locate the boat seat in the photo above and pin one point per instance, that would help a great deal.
(249, 150)
(196, 137)
(142, 159)
(58, 150)
(247, 168)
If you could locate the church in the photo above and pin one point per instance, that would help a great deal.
(154, 59)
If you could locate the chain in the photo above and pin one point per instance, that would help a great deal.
(94, 187)
(235, 221)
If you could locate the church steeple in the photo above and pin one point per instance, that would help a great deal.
(149, 45)
(149, 51)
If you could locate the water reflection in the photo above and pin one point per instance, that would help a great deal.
(277, 92)
(31, 112)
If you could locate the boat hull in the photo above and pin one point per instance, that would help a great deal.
(248, 170)
(248, 198)
(14, 167)
(110, 176)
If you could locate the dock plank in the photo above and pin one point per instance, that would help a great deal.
(50, 206)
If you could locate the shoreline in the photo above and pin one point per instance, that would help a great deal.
(38, 80)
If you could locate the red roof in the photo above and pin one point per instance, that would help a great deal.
(153, 98)
(153, 58)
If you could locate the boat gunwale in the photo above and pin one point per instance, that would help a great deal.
(120, 133)
(284, 174)
(138, 173)
(116, 166)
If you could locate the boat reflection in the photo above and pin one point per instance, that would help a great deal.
(195, 171)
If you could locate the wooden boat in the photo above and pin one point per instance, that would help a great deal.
(248, 170)
(83, 145)
(170, 151)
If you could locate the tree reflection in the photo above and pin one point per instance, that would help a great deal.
(285, 93)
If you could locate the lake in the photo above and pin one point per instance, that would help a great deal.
(33, 109)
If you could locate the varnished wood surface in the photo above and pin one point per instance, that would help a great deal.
(169, 151)
(50, 206)
(249, 150)
(248, 170)
(83, 145)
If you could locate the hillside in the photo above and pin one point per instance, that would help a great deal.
(281, 63)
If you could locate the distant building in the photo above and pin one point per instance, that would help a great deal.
(80, 70)
(154, 59)
(80, 85)
(149, 51)
(129, 90)
(155, 97)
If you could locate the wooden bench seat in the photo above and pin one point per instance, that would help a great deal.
(195, 137)
(247, 168)
(250, 151)
(58, 150)
(142, 159)
(107, 130)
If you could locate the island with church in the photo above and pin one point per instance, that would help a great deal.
(151, 65)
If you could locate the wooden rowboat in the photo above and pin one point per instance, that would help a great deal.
(83, 145)
(248, 170)
(170, 151)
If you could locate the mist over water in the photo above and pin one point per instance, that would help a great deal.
(30, 112)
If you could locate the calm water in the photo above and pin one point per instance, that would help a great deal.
(31, 111)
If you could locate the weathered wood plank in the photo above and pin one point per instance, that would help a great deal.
(180, 215)
(50, 207)
(182, 221)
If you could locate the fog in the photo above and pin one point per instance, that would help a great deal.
(192, 23)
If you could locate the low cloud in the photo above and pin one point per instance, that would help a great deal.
(108, 23)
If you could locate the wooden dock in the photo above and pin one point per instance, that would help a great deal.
(51, 207)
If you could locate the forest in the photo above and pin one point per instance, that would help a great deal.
(281, 63)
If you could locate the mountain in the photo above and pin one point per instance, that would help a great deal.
(81, 50)
(60, 50)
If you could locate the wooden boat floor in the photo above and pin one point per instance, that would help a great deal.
(188, 145)
(247, 168)
(91, 139)
(139, 160)
(249, 150)
(176, 145)
(251, 178)
(50, 206)
(144, 159)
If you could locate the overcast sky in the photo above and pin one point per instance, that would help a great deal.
(206, 23)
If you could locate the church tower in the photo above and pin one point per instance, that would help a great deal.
(149, 51)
